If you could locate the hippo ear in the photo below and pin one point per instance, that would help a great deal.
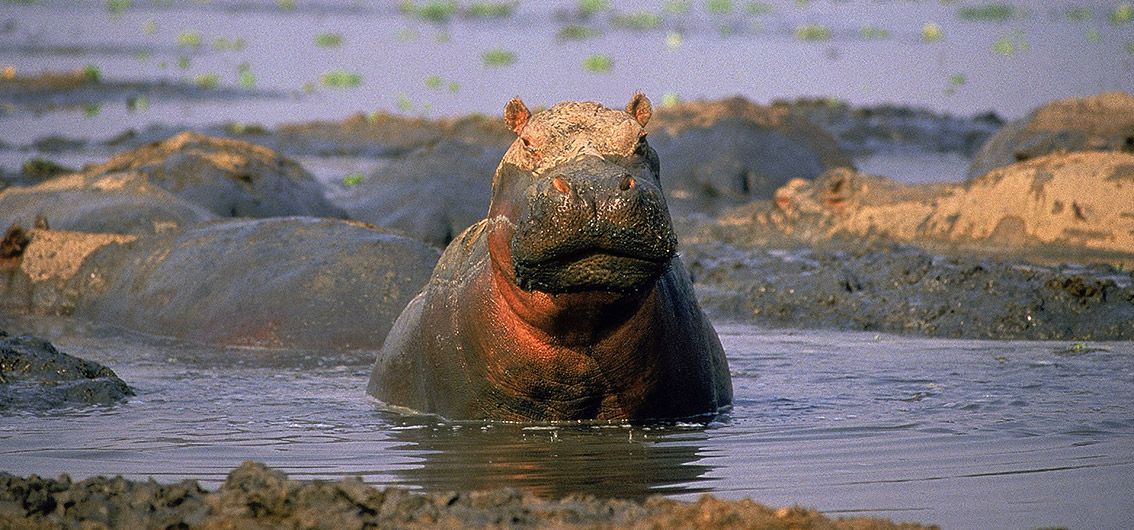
(516, 115)
(640, 108)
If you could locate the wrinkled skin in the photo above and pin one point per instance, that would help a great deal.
(568, 301)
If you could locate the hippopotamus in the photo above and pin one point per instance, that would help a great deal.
(568, 301)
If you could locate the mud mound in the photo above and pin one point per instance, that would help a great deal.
(386, 135)
(898, 289)
(431, 194)
(723, 153)
(1104, 122)
(34, 376)
(231, 178)
(865, 130)
(1060, 204)
(255, 496)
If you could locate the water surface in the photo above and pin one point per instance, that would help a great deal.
(966, 434)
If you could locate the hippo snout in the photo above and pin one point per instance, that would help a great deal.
(593, 225)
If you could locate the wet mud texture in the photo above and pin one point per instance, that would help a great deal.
(255, 496)
(901, 289)
(35, 377)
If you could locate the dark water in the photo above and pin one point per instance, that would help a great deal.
(966, 434)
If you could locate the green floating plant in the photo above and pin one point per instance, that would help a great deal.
(498, 57)
(598, 63)
(340, 79)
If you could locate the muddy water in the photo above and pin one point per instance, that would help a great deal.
(967, 434)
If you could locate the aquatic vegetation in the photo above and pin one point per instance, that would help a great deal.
(207, 80)
(183, 62)
(404, 104)
(588, 8)
(676, 7)
(673, 40)
(670, 99)
(598, 63)
(91, 110)
(432, 11)
(224, 43)
(575, 32)
(989, 13)
(353, 179)
(406, 35)
(1011, 44)
(150, 27)
(955, 81)
(117, 7)
(718, 7)
(931, 32)
(92, 74)
(189, 39)
(1094, 37)
(489, 9)
(245, 76)
(637, 20)
(329, 40)
(138, 103)
(759, 8)
(1122, 14)
(812, 32)
(286, 5)
(340, 79)
(454, 86)
(1130, 47)
(498, 57)
(1078, 14)
(433, 82)
(875, 33)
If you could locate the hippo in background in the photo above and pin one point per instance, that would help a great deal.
(568, 302)
(1103, 122)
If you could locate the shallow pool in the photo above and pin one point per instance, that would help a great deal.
(966, 434)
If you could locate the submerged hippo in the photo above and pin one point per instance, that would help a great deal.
(568, 301)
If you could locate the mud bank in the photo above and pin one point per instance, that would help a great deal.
(255, 496)
(901, 289)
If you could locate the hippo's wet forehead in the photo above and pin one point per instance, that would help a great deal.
(574, 122)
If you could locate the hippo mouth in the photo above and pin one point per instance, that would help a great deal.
(594, 269)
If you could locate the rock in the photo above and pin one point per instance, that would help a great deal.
(34, 376)
(255, 496)
(1104, 122)
(1076, 204)
(431, 194)
(284, 282)
(724, 153)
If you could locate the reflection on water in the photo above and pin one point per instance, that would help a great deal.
(967, 434)
(556, 460)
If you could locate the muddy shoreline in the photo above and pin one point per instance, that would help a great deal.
(255, 496)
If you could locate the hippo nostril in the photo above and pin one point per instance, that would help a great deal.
(560, 185)
(627, 183)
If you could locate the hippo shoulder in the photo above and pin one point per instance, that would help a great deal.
(466, 253)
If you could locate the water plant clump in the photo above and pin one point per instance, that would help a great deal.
(813, 32)
(432, 11)
(92, 74)
(875, 33)
(352, 180)
(1122, 14)
(207, 80)
(637, 20)
(329, 40)
(598, 63)
(490, 9)
(931, 32)
(589, 8)
(989, 13)
(498, 57)
(759, 8)
(340, 79)
(719, 7)
(189, 39)
(576, 32)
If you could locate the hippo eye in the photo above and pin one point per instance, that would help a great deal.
(528, 144)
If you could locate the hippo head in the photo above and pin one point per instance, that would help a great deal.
(579, 187)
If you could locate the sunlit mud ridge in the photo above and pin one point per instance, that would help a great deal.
(255, 496)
